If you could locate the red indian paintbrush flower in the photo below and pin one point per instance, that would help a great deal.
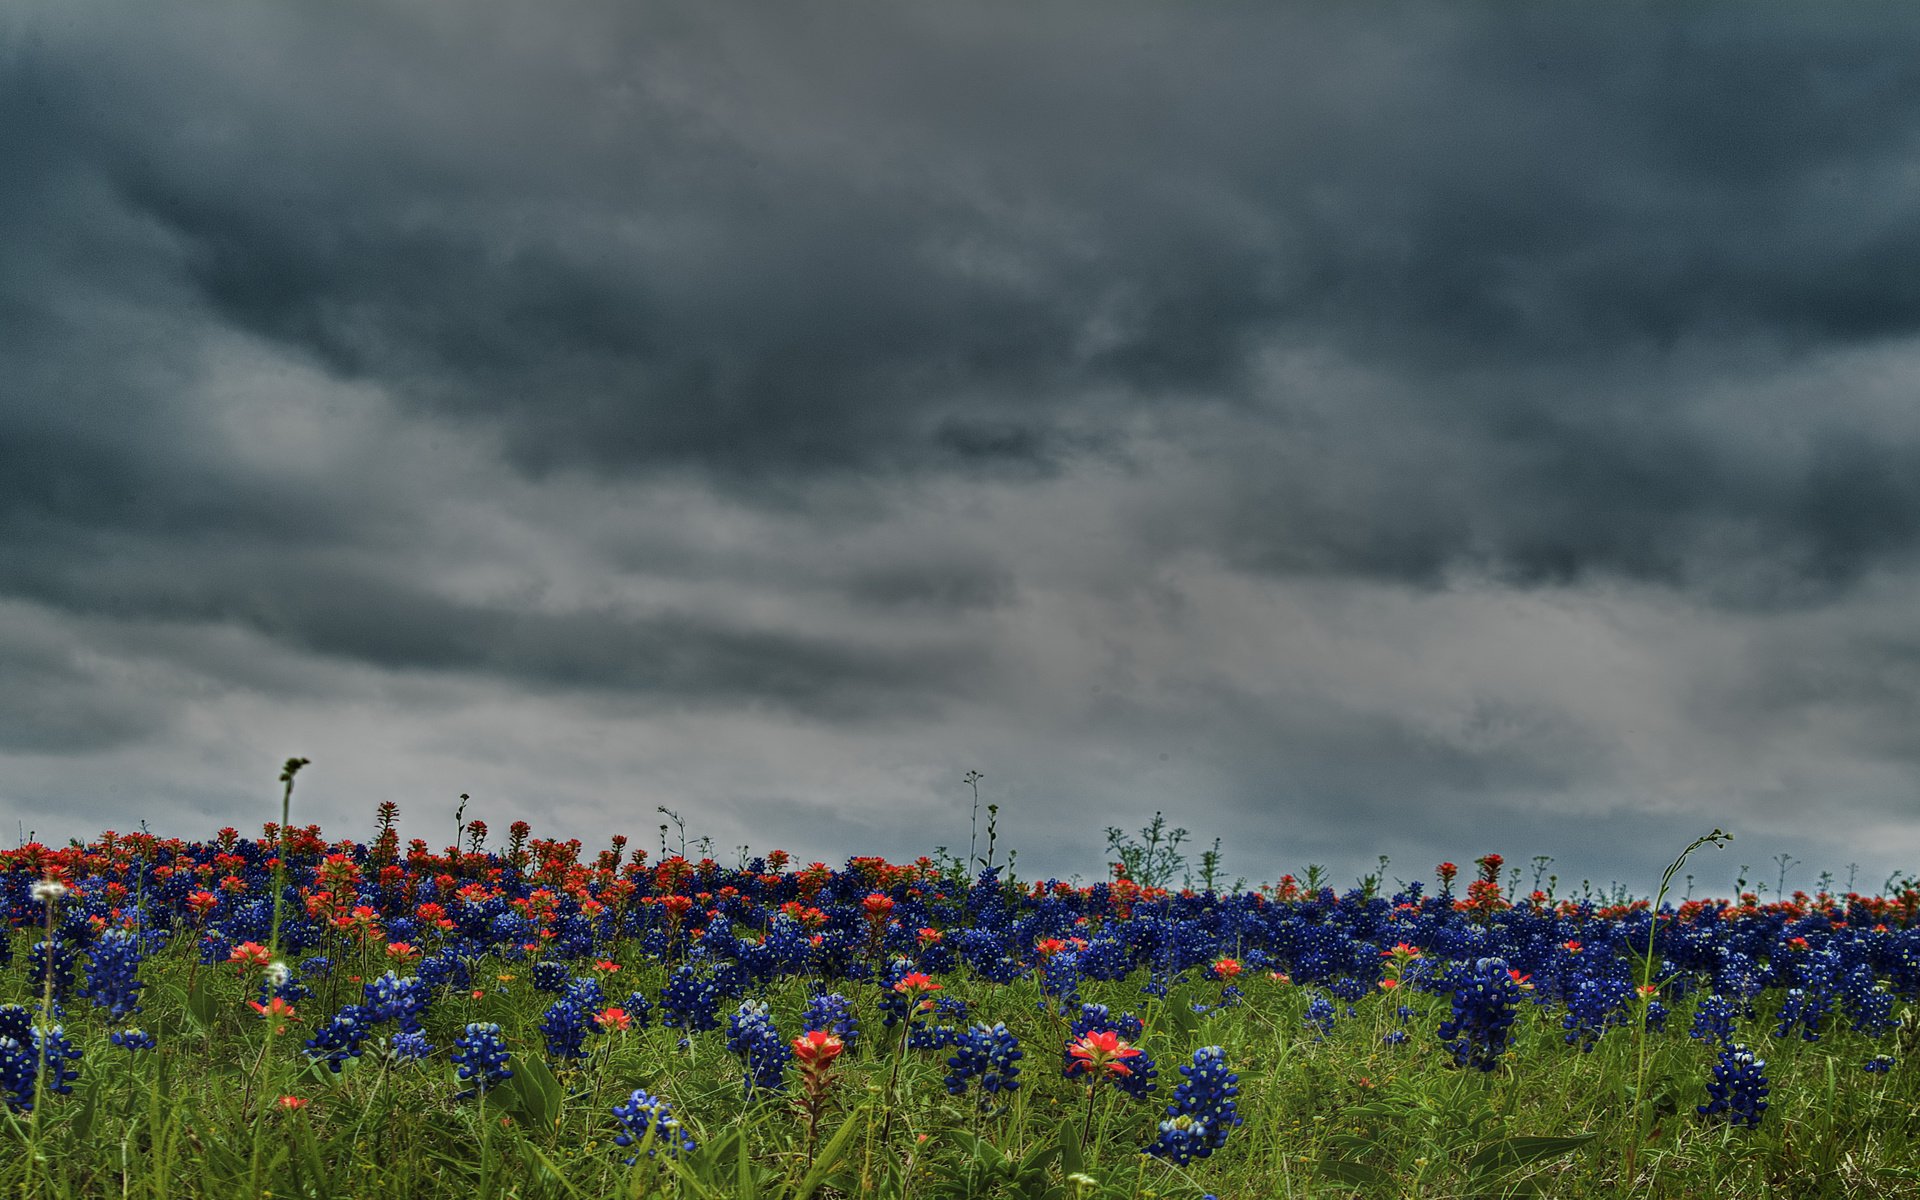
(816, 1048)
(815, 1051)
(916, 981)
(613, 1018)
(1101, 1051)
(250, 954)
(276, 1010)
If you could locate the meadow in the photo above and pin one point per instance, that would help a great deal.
(283, 1015)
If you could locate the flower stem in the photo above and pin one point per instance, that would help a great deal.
(1086, 1131)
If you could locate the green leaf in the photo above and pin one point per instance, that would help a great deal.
(532, 1092)
(829, 1155)
(201, 1005)
(1072, 1161)
(1182, 1023)
(1508, 1153)
(746, 1184)
(1037, 1161)
(82, 1124)
(987, 1156)
(1346, 1170)
(552, 1169)
(1350, 1145)
(320, 1177)
(969, 1143)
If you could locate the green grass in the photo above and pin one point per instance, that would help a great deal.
(1343, 1116)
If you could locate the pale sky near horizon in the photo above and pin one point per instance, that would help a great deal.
(1394, 429)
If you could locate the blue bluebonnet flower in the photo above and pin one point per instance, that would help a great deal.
(1656, 1015)
(1319, 1015)
(63, 964)
(215, 945)
(133, 1039)
(1737, 977)
(1203, 1111)
(752, 1036)
(566, 1024)
(1394, 1037)
(550, 975)
(1713, 1020)
(643, 1113)
(989, 1053)
(60, 1054)
(390, 998)
(21, 1049)
(1597, 1001)
(1739, 1088)
(689, 1002)
(1106, 958)
(480, 1053)
(832, 1013)
(411, 1047)
(1806, 1009)
(1095, 1017)
(1484, 997)
(1879, 1064)
(1869, 1003)
(341, 1038)
(1060, 976)
(924, 1034)
(508, 932)
(638, 1008)
(112, 982)
(1350, 989)
(19, 1067)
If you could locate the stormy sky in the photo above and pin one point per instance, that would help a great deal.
(1414, 430)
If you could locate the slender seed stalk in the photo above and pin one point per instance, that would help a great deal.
(287, 773)
(1716, 838)
(50, 897)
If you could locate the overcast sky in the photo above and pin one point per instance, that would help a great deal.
(1354, 430)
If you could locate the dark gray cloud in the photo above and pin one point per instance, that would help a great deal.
(869, 394)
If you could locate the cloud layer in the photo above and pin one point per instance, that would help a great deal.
(1402, 431)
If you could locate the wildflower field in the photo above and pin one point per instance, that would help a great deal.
(290, 1016)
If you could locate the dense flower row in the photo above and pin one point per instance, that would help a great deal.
(416, 923)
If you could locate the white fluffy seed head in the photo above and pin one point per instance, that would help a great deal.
(46, 891)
